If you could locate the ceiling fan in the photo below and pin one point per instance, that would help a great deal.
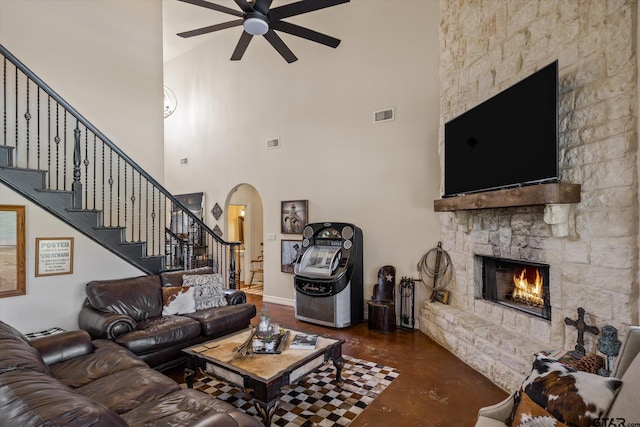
(258, 19)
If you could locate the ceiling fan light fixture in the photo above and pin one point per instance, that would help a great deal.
(255, 26)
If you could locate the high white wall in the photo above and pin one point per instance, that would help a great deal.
(105, 58)
(381, 177)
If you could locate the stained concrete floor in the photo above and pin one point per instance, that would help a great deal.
(434, 389)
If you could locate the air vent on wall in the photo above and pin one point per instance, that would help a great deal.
(184, 161)
(383, 115)
(273, 143)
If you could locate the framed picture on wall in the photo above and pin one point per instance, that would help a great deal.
(290, 251)
(54, 256)
(294, 216)
(12, 251)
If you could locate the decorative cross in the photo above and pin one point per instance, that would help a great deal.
(582, 327)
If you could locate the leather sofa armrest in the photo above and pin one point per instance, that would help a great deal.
(235, 296)
(105, 325)
(63, 346)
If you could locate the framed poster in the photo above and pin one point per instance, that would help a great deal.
(293, 216)
(12, 251)
(54, 256)
(290, 251)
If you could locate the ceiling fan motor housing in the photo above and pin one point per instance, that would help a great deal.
(255, 23)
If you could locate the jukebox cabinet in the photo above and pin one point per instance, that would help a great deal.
(328, 275)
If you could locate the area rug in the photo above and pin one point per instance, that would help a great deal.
(316, 400)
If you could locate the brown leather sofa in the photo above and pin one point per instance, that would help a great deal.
(129, 312)
(68, 380)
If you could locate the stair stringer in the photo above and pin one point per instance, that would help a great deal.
(30, 183)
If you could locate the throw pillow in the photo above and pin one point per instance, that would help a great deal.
(178, 300)
(208, 292)
(530, 414)
(573, 397)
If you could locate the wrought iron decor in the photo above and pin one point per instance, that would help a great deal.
(216, 211)
(407, 304)
(582, 327)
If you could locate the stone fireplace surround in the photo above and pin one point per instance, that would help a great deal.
(591, 246)
(496, 340)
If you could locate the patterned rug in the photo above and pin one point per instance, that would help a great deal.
(316, 400)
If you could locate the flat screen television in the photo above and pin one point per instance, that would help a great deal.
(507, 141)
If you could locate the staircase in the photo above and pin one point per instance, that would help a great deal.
(53, 156)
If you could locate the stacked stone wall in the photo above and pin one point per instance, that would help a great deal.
(487, 46)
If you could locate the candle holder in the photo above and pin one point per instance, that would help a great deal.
(609, 345)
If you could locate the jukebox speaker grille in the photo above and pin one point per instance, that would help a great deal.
(305, 243)
(307, 232)
(347, 232)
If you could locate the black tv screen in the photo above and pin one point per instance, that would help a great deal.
(509, 140)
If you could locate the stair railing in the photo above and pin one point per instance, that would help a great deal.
(48, 134)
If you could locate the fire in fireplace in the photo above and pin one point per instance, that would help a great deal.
(520, 285)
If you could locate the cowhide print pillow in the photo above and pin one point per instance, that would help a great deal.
(575, 398)
(530, 414)
(178, 300)
(208, 292)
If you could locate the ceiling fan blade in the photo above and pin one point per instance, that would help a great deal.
(244, 5)
(241, 47)
(214, 6)
(279, 45)
(301, 7)
(211, 28)
(305, 33)
(262, 6)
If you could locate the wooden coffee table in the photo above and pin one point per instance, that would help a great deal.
(261, 375)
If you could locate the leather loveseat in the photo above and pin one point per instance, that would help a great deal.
(129, 312)
(68, 380)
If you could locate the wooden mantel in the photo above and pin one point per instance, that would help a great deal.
(539, 194)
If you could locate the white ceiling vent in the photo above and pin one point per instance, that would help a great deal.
(184, 161)
(384, 115)
(273, 143)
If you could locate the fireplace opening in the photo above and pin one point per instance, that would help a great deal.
(520, 285)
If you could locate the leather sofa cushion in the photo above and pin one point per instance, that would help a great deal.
(138, 297)
(106, 359)
(17, 353)
(159, 332)
(174, 278)
(171, 410)
(30, 398)
(118, 393)
(220, 321)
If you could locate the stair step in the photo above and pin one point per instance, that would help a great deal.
(6, 156)
(153, 263)
(110, 236)
(25, 180)
(57, 200)
(90, 218)
(133, 249)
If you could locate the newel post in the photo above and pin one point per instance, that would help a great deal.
(232, 266)
(76, 187)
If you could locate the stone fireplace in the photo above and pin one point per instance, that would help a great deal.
(590, 244)
(520, 285)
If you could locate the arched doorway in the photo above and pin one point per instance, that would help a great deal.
(244, 223)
